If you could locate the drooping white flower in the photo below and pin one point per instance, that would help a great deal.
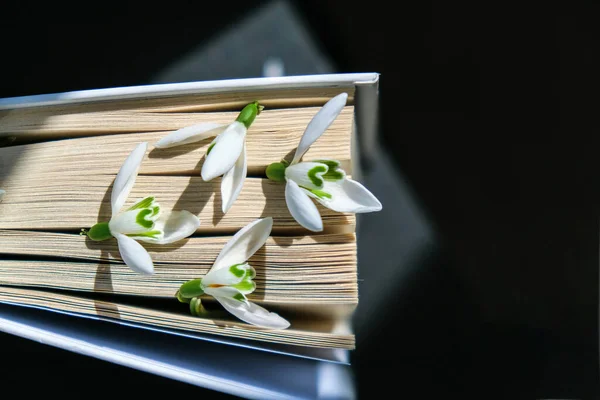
(226, 155)
(144, 221)
(230, 278)
(323, 180)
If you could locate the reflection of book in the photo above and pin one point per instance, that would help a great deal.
(59, 166)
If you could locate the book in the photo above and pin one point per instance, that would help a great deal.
(61, 153)
(63, 166)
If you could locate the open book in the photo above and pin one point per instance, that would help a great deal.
(59, 158)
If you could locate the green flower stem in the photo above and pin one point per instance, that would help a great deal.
(196, 307)
(181, 298)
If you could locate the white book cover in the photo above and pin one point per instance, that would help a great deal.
(317, 373)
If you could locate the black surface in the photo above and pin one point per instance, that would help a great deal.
(490, 114)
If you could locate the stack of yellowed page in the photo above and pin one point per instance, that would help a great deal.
(58, 163)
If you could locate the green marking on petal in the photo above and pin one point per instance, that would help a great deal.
(99, 232)
(144, 203)
(237, 271)
(246, 286)
(312, 174)
(141, 220)
(191, 289)
(319, 193)
(333, 175)
(330, 163)
(276, 171)
(210, 148)
(155, 210)
(239, 297)
(150, 234)
(250, 273)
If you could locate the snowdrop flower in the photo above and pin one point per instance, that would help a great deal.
(323, 180)
(144, 221)
(226, 155)
(2, 192)
(230, 279)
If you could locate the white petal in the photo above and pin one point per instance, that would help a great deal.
(349, 196)
(224, 276)
(226, 151)
(190, 134)
(134, 255)
(2, 192)
(233, 181)
(302, 208)
(299, 173)
(175, 226)
(253, 313)
(223, 291)
(244, 243)
(126, 223)
(126, 177)
(319, 124)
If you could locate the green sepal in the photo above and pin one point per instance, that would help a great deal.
(276, 171)
(99, 232)
(249, 113)
(191, 289)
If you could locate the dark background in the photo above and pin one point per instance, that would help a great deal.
(490, 113)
